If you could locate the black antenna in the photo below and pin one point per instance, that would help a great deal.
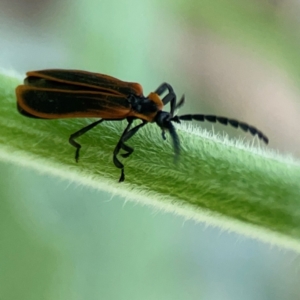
(224, 121)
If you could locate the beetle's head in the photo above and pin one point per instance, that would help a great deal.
(164, 120)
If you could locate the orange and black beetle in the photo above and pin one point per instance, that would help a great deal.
(54, 94)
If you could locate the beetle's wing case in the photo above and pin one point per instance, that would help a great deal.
(81, 80)
(53, 104)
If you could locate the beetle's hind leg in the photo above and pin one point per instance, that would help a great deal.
(79, 133)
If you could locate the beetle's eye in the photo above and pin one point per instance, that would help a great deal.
(176, 119)
(167, 119)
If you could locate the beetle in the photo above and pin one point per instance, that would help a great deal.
(56, 93)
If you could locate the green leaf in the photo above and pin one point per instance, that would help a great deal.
(222, 182)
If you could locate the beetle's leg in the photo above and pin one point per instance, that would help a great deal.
(174, 105)
(80, 133)
(181, 102)
(170, 97)
(164, 87)
(127, 136)
(126, 148)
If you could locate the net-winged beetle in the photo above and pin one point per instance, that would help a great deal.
(54, 94)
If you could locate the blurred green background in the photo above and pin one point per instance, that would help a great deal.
(236, 58)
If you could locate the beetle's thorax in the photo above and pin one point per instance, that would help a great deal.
(145, 108)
